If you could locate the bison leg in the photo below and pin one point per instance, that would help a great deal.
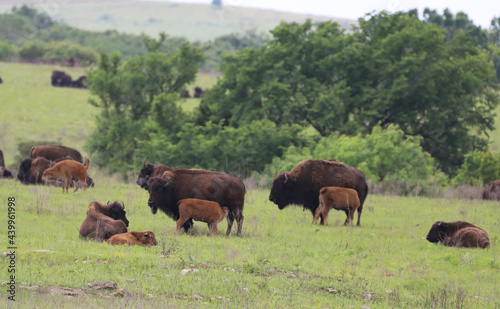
(212, 228)
(76, 186)
(360, 209)
(188, 225)
(180, 222)
(230, 220)
(239, 220)
(318, 212)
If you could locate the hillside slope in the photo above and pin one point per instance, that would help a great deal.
(193, 21)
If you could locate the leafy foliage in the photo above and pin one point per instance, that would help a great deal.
(6, 51)
(478, 168)
(394, 69)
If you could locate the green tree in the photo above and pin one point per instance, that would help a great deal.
(32, 50)
(6, 51)
(393, 69)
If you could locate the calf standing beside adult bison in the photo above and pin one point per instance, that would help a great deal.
(174, 185)
(302, 184)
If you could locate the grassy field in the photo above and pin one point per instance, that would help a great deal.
(32, 109)
(193, 21)
(280, 261)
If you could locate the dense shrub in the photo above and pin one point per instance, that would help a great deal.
(64, 50)
(6, 51)
(478, 168)
(32, 50)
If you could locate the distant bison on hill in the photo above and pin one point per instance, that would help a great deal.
(458, 234)
(55, 152)
(60, 79)
(302, 184)
(492, 191)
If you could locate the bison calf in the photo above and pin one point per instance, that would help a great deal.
(458, 234)
(340, 199)
(201, 210)
(68, 170)
(133, 238)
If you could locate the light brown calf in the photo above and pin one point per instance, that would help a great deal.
(133, 238)
(201, 210)
(68, 170)
(340, 199)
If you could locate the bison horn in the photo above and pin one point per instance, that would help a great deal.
(107, 203)
(144, 163)
(286, 177)
(123, 205)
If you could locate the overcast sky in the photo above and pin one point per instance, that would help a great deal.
(480, 11)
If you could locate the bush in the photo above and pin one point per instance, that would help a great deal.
(32, 50)
(478, 168)
(6, 51)
(64, 50)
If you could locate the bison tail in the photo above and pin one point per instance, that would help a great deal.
(87, 162)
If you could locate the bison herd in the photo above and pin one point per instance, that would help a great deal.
(185, 195)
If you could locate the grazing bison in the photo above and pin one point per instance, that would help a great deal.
(301, 185)
(148, 171)
(201, 210)
(340, 199)
(133, 238)
(68, 170)
(79, 83)
(60, 79)
(56, 152)
(198, 92)
(4, 173)
(492, 191)
(104, 221)
(458, 234)
(166, 191)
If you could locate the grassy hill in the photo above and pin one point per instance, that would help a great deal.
(193, 21)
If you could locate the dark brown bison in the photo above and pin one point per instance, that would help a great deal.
(492, 191)
(185, 94)
(198, 92)
(458, 234)
(166, 191)
(340, 199)
(4, 173)
(56, 152)
(79, 83)
(1, 81)
(60, 79)
(301, 185)
(104, 221)
(148, 171)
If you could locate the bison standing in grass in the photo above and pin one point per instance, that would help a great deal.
(166, 191)
(340, 199)
(104, 221)
(56, 153)
(200, 210)
(301, 185)
(458, 234)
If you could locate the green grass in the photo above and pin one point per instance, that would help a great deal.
(281, 260)
(193, 21)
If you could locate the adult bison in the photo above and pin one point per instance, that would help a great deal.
(60, 79)
(166, 191)
(148, 171)
(458, 234)
(104, 221)
(80, 82)
(56, 152)
(302, 184)
(4, 173)
(492, 191)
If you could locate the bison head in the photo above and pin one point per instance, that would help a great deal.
(281, 189)
(437, 232)
(24, 170)
(147, 238)
(146, 172)
(159, 193)
(117, 211)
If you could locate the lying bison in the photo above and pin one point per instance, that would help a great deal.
(79, 83)
(458, 234)
(492, 191)
(302, 184)
(147, 239)
(60, 79)
(104, 221)
(148, 171)
(166, 191)
(56, 152)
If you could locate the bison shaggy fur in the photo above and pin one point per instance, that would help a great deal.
(56, 153)
(31, 170)
(458, 234)
(492, 191)
(201, 210)
(60, 79)
(301, 185)
(104, 221)
(134, 238)
(166, 191)
(149, 170)
(340, 199)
